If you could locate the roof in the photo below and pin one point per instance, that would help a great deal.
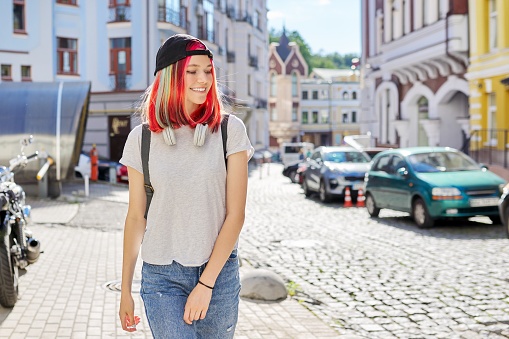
(332, 74)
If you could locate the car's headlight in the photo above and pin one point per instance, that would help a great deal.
(446, 193)
(504, 188)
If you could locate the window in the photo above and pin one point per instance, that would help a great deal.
(294, 85)
(492, 119)
(26, 73)
(68, 2)
(315, 117)
(344, 118)
(273, 85)
(346, 96)
(67, 56)
(249, 85)
(256, 19)
(294, 113)
(354, 116)
(120, 63)
(6, 73)
(354, 95)
(315, 95)
(324, 115)
(208, 7)
(304, 95)
(18, 18)
(304, 117)
(273, 114)
(120, 10)
(493, 24)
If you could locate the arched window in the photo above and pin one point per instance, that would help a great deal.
(294, 85)
(422, 111)
(354, 95)
(273, 85)
(346, 96)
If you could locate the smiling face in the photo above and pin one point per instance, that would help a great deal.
(198, 80)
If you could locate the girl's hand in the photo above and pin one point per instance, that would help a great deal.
(128, 320)
(197, 304)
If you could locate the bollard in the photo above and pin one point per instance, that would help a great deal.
(113, 173)
(86, 179)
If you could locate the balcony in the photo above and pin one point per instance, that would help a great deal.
(120, 14)
(168, 15)
(230, 57)
(120, 82)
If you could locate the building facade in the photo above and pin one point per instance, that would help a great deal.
(113, 44)
(330, 105)
(488, 76)
(414, 59)
(319, 107)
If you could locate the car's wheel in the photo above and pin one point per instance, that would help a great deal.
(495, 219)
(421, 215)
(371, 206)
(292, 175)
(506, 221)
(324, 196)
(305, 187)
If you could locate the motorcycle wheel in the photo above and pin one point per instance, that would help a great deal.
(8, 275)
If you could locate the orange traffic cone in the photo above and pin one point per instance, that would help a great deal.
(348, 198)
(360, 198)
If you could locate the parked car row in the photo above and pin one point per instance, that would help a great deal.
(430, 183)
(104, 166)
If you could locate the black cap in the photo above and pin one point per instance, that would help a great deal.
(175, 49)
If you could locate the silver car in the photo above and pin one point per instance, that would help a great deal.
(332, 169)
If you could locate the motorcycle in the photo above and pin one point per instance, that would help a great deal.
(18, 247)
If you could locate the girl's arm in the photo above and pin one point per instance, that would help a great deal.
(134, 230)
(236, 192)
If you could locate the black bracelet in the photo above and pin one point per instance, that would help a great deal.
(207, 286)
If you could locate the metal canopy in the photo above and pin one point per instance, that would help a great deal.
(54, 113)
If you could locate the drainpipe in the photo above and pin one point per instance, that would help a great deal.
(449, 54)
(148, 43)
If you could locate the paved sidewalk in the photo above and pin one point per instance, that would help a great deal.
(72, 291)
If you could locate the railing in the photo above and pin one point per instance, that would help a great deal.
(253, 61)
(120, 81)
(488, 146)
(168, 15)
(120, 14)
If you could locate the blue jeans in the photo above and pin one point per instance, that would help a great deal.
(165, 288)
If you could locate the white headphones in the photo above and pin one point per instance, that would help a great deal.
(200, 132)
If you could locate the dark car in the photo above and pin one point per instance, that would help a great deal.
(503, 208)
(432, 183)
(330, 170)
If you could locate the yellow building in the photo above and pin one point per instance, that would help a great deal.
(488, 76)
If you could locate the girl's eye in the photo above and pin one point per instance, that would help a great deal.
(208, 72)
(191, 72)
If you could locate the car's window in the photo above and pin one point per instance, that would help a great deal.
(315, 156)
(382, 164)
(442, 162)
(292, 149)
(349, 156)
(396, 163)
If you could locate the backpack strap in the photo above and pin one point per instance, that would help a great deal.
(224, 134)
(145, 151)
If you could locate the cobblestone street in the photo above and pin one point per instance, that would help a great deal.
(380, 278)
(362, 277)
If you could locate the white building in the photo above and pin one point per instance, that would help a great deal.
(330, 105)
(415, 55)
(113, 44)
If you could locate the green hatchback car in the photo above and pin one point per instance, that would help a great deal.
(432, 183)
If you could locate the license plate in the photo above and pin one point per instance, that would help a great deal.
(357, 186)
(481, 202)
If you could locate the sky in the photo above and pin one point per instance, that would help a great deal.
(325, 25)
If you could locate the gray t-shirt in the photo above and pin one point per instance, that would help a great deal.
(188, 208)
